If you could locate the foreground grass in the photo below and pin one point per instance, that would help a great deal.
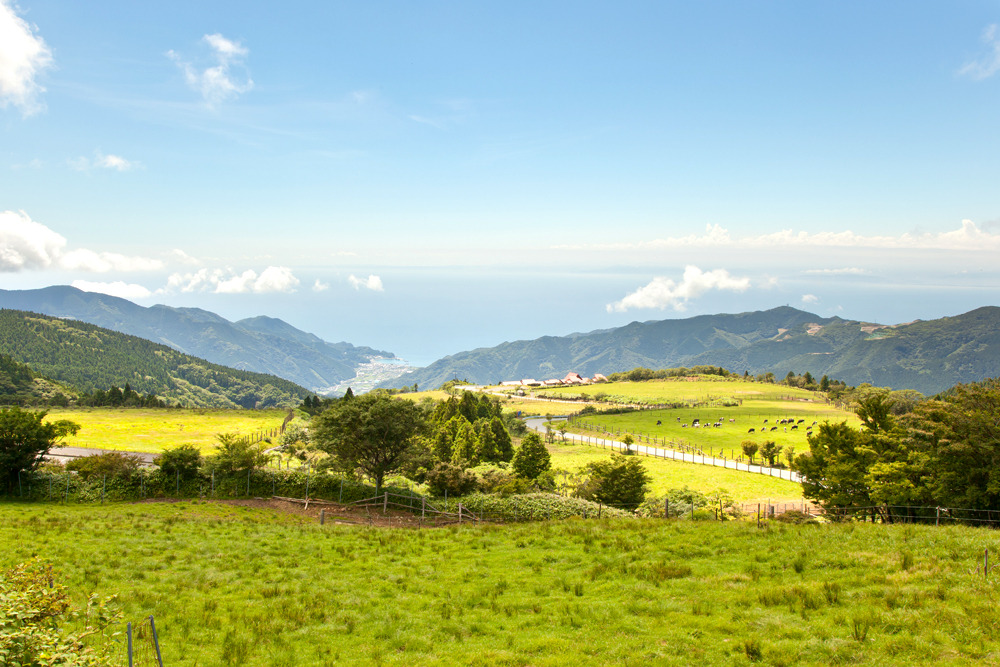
(667, 474)
(231, 586)
(153, 430)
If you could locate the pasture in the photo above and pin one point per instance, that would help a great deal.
(153, 430)
(230, 585)
(705, 389)
(667, 474)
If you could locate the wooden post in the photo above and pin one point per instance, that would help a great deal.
(385, 502)
(937, 516)
(423, 507)
(460, 512)
(666, 508)
(128, 631)
(758, 515)
(340, 498)
(692, 510)
(322, 516)
(986, 562)
(156, 642)
(248, 482)
(104, 487)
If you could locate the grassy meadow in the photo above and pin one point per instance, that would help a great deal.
(153, 430)
(231, 585)
(667, 474)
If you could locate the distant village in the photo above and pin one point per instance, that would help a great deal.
(570, 379)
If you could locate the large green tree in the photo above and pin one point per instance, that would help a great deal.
(531, 458)
(25, 439)
(370, 433)
(621, 481)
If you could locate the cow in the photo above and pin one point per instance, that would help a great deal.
(752, 430)
(659, 423)
(795, 427)
(774, 428)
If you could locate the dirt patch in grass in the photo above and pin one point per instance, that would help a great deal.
(332, 513)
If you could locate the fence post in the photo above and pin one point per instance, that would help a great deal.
(937, 516)
(177, 486)
(104, 487)
(385, 502)
(156, 642)
(67, 486)
(308, 470)
(128, 631)
(340, 498)
(248, 481)
(423, 507)
(322, 516)
(460, 512)
(666, 508)
(20, 493)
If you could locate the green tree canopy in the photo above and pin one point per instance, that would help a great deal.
(25, 439)
(370, 433)
(621, 481)
(531, 458)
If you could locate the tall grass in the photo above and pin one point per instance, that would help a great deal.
(229, 585)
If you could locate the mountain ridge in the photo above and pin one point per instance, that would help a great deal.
(260, 344)
(926, 355)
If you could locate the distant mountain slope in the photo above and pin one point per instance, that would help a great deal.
(89, 357)
(926, 356)
(19, 385)
(260, 344)
(655, 344)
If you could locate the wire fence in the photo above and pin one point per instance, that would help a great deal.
(680, 452)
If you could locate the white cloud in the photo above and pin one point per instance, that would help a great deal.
(373, 283)
(665, 293)
(320, 286)
(217, 82)
(29, 245)
(102, 161)
(117, 288)
(989, 64)
(810, 298)
(102, 262)
(967, 237)
(23, 56)
(226, 281)
(26, 244)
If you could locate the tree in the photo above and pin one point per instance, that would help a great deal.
(628, 440)
(370, 433)
(621, 481)
(749, 448)
(531, 458)
(770, 450)
(25, 440)
(874, 409)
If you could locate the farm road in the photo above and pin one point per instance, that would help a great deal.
(538, 424)
(64, 453)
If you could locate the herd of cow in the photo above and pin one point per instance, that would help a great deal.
(790, 422)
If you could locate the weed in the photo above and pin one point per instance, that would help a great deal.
(753, 650)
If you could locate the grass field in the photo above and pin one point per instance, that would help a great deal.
(703, 389)
(140, 430)
(233, 586)
(667, 474)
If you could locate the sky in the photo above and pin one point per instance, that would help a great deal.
(426, 178)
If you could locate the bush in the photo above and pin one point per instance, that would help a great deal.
(235, 454)
(531, 458)
(32, 606)
(451, 479)
(184, 461)
(537, 506)
(110, 464)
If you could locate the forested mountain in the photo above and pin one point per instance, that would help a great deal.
(260, 344)
(19, 385)
(91, 358)
(926, 356)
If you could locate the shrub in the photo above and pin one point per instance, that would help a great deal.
(531, 459)
(451, 479)
(235, 454)
(32, 606)
(621, 481)
(184, 461)
(111, 464)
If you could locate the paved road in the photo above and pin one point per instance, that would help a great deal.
(538, 424)
(65, 453)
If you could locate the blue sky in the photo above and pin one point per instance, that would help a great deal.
(431, 177)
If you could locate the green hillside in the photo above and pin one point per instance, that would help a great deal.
(90, 358)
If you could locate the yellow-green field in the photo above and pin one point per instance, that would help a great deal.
(668, 474)
(153, 430)
(701, 389)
